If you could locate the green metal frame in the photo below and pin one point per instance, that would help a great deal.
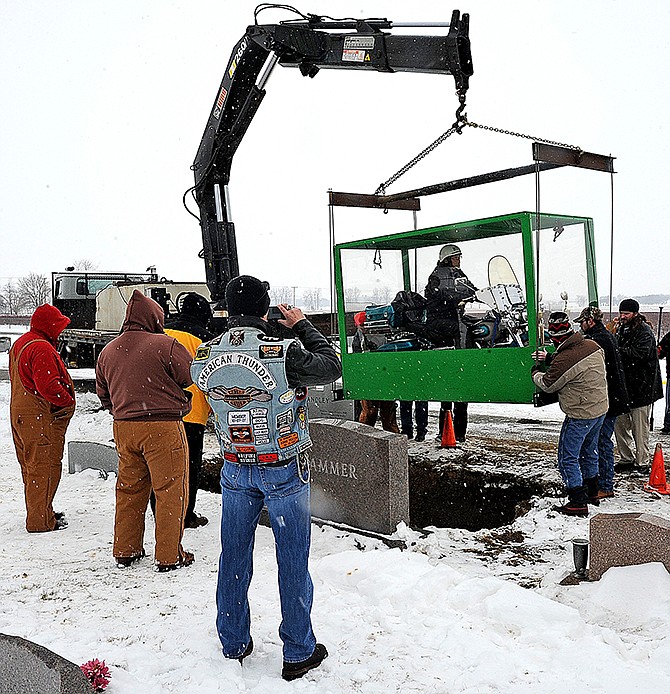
(466, 375)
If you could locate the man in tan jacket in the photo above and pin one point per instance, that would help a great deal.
(576, 373)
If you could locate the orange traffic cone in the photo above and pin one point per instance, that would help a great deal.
(448, 435)
(657, 482)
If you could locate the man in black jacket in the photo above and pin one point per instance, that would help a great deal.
(639, 357)
(664, 353)
(256, 384)
(591, 323)
(447, 291)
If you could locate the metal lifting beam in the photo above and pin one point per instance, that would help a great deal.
(393, 201)
(546, 155)
(568, 156)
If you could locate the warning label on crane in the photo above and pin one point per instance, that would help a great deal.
(220, 101)
(353, 56)
(366, 43)
(355, 48)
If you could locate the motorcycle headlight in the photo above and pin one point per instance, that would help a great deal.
(481, 331)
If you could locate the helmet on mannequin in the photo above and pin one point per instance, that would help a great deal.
(449, 251)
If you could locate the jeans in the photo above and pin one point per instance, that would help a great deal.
(578, 450)
(194, 435)
(606, 455)
(666, 418)
(420, 414)
(244, 491)
(460, 418)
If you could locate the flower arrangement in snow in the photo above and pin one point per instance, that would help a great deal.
(97, 673)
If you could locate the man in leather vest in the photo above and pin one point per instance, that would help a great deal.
(42, 404)
(255, 381)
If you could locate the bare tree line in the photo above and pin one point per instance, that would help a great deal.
(22, 296)
(318, 299)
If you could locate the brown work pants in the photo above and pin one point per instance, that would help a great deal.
(370, 409)
(151, 455)
(39, 439)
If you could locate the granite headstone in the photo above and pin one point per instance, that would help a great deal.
(323, 403)
(359, 475)
(627, 539)
(28, 667)
(87, 454)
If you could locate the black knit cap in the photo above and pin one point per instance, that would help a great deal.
(629, 306)
(195, 306)
(247, 296)
(559, 327)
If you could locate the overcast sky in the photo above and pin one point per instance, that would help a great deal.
(105, 104)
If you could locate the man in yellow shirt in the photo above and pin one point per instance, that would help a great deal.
(189, 328)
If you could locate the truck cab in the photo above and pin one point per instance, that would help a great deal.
(74, 292)
(96, 304)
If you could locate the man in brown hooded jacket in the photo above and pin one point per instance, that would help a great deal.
(42, 404)
(140, 379)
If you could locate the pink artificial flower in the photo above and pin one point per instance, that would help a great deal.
(97, 673)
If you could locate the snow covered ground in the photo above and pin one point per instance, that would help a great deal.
(452, 613)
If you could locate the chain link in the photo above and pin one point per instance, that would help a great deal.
(381, 189)
(461, 122)
(457, 127)
(502, 131)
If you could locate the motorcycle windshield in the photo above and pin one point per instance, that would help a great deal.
(504, 292)
(501, 272)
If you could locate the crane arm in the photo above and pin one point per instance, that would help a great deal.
(309, 45)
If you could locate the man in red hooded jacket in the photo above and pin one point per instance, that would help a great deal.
(41, 406)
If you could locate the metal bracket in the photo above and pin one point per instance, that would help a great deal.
(572, 157)
(373, 201)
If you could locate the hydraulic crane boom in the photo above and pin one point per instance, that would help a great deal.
(309, 45)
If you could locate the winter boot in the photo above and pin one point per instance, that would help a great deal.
(291, 671)
(592, 491)
(247, 651)
(577, 503)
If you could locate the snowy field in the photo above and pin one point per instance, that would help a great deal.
(449, 614)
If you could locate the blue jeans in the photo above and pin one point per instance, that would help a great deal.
(606, 455)
(420, 414)
(244, 491)
(578, 450)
